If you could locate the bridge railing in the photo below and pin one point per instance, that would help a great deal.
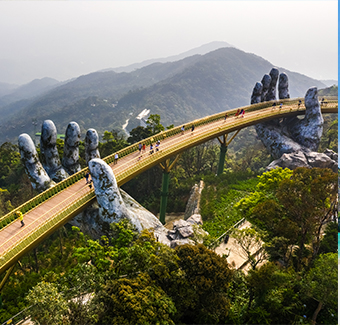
(40, 198)
(38, 232)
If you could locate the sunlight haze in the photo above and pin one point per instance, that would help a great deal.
(65, 39)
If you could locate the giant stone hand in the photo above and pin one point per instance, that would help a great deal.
(291, 141)
(112, 203)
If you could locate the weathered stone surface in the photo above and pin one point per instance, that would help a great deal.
(271, 94)
(193, 205)
(114, 203)
(331, 154)
(266, 80)
(178, 242)
(110, 201)
(145, 217)
(308, 131)
(290, 160)
(307, 159)
(34, 169)
(195, 219)
(283, 86)
(49, 152)
(257, 93)
(293, 141)
(186, 232)
(180, 223)
(277, 143)
(321, 160)
(71, 148)
(91, 145)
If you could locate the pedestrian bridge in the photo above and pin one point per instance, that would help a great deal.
(51, 209)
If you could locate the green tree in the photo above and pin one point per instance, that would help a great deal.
(309, 198)
(48, 305)
(251, 245)
(154, 123)
(321, 282)
(274, 295)
(134, 301)
(108, 136)
(203, 297)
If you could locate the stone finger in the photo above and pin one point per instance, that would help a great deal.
(70, 160)
(49, 152)
(34, 169)
(308, 131)
(110, 201)
(91, 145)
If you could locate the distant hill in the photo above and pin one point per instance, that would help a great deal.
(27, 91)
(179, 91)
(330, 91)
(6, 88)
(330, 82)
(204, 49)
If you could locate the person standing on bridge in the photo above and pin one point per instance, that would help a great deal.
(87, 175)
(116, 159)
(144, 147)
(192, 129)
(182, 129)
(140, 148)
(21, 218)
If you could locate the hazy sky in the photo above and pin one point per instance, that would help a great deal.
(65, 39)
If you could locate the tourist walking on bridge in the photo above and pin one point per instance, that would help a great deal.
(116, 159)
(299, 103)
(21, 218)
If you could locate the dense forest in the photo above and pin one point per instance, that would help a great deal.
(130, 278)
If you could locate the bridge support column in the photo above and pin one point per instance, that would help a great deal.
(8, 273)
(223, 150)
(167, 166)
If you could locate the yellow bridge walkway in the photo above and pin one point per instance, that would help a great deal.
(51, 209)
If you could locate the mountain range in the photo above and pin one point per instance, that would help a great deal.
(178, 90)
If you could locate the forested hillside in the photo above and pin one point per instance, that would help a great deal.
(179, 91)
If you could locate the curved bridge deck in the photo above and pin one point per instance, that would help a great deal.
(54, 207)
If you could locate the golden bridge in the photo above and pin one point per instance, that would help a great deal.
(53, 208)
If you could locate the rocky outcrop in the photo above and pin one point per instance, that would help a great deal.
(187, 231)
(193, 205)
(304, 159)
